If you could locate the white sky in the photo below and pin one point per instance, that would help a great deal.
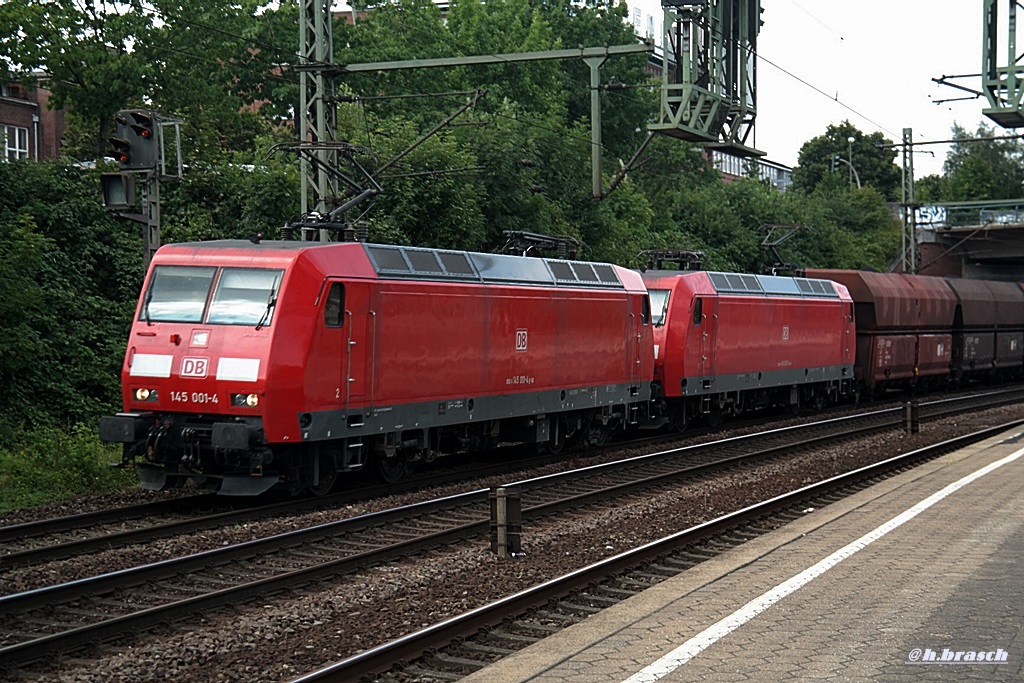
(878, 58)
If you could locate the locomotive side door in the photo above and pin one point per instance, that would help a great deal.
(345, 354)
(638, 323)
(705, 319)
(849, 334)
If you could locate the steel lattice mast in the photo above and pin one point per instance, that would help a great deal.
(1002, 80)
(317, 114)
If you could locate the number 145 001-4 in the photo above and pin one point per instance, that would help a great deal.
(193, 397)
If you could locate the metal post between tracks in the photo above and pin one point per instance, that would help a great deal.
(911, 417)
(506, 521)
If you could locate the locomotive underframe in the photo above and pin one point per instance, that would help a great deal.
(233, 455)
(731, 395)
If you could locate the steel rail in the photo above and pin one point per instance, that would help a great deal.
(32, 649)
(52, 525)
(380, 659)
(31, 556)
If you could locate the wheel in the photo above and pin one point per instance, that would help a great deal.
(556, 442)
(820, 401)
(328, 475)
(680, 418)
(598, 436)
(714, 419)
(394, 469)
(738, 405)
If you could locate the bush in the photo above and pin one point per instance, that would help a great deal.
(50, 464)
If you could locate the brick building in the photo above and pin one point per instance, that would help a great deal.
(28, 129)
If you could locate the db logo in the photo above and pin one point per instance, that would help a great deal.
(520, 340)
(194, 367)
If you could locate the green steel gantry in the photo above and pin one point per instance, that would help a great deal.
(708, 92)
(1002, 80)
(709, 74)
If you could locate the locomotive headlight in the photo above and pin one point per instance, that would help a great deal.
(146, 395)
(245, 400)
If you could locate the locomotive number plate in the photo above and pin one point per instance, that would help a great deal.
(193, 397)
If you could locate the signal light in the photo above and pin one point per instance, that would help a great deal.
(143, 125)
(121, 151)
(137, 145)
(118, 190)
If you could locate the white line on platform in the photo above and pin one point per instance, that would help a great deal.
(709, 636)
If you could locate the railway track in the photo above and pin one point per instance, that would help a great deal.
(33, 543)
(36, 624)
(457, 647)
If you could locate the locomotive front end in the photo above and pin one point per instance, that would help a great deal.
(195, 373)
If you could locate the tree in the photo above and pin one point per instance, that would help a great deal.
(83, 53)
(210, 62)
(71, 276)
(977, 170)
(873, 162)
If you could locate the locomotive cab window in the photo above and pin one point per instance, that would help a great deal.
(177, 294)
(245, 296)
(698, 311)
(242, 296)
(659, 305)
(334, 308)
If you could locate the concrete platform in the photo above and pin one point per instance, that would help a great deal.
(881, 586)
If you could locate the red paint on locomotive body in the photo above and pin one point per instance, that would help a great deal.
(280, 354)
(736, 339)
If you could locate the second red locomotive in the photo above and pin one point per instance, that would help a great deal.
(726, 343)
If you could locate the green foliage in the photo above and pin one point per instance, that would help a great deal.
(86, 50)
(979, 169)
(48, 465)
(71, 275)
(230, 200)
(212, 63)
(830, 154)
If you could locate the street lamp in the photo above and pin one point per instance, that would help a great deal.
(853, 171)
(849, 157)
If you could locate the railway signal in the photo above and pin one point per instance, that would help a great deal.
(137, 145)
(138, 150)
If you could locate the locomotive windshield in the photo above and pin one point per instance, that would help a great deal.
(243, 296)
(659, 305)
(177, 294)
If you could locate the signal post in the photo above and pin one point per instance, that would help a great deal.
(138, 149)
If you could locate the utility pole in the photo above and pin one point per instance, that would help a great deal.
(317, 110)
(909, 239)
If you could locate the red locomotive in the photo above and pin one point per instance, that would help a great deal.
(727, 342)
(256, 364)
